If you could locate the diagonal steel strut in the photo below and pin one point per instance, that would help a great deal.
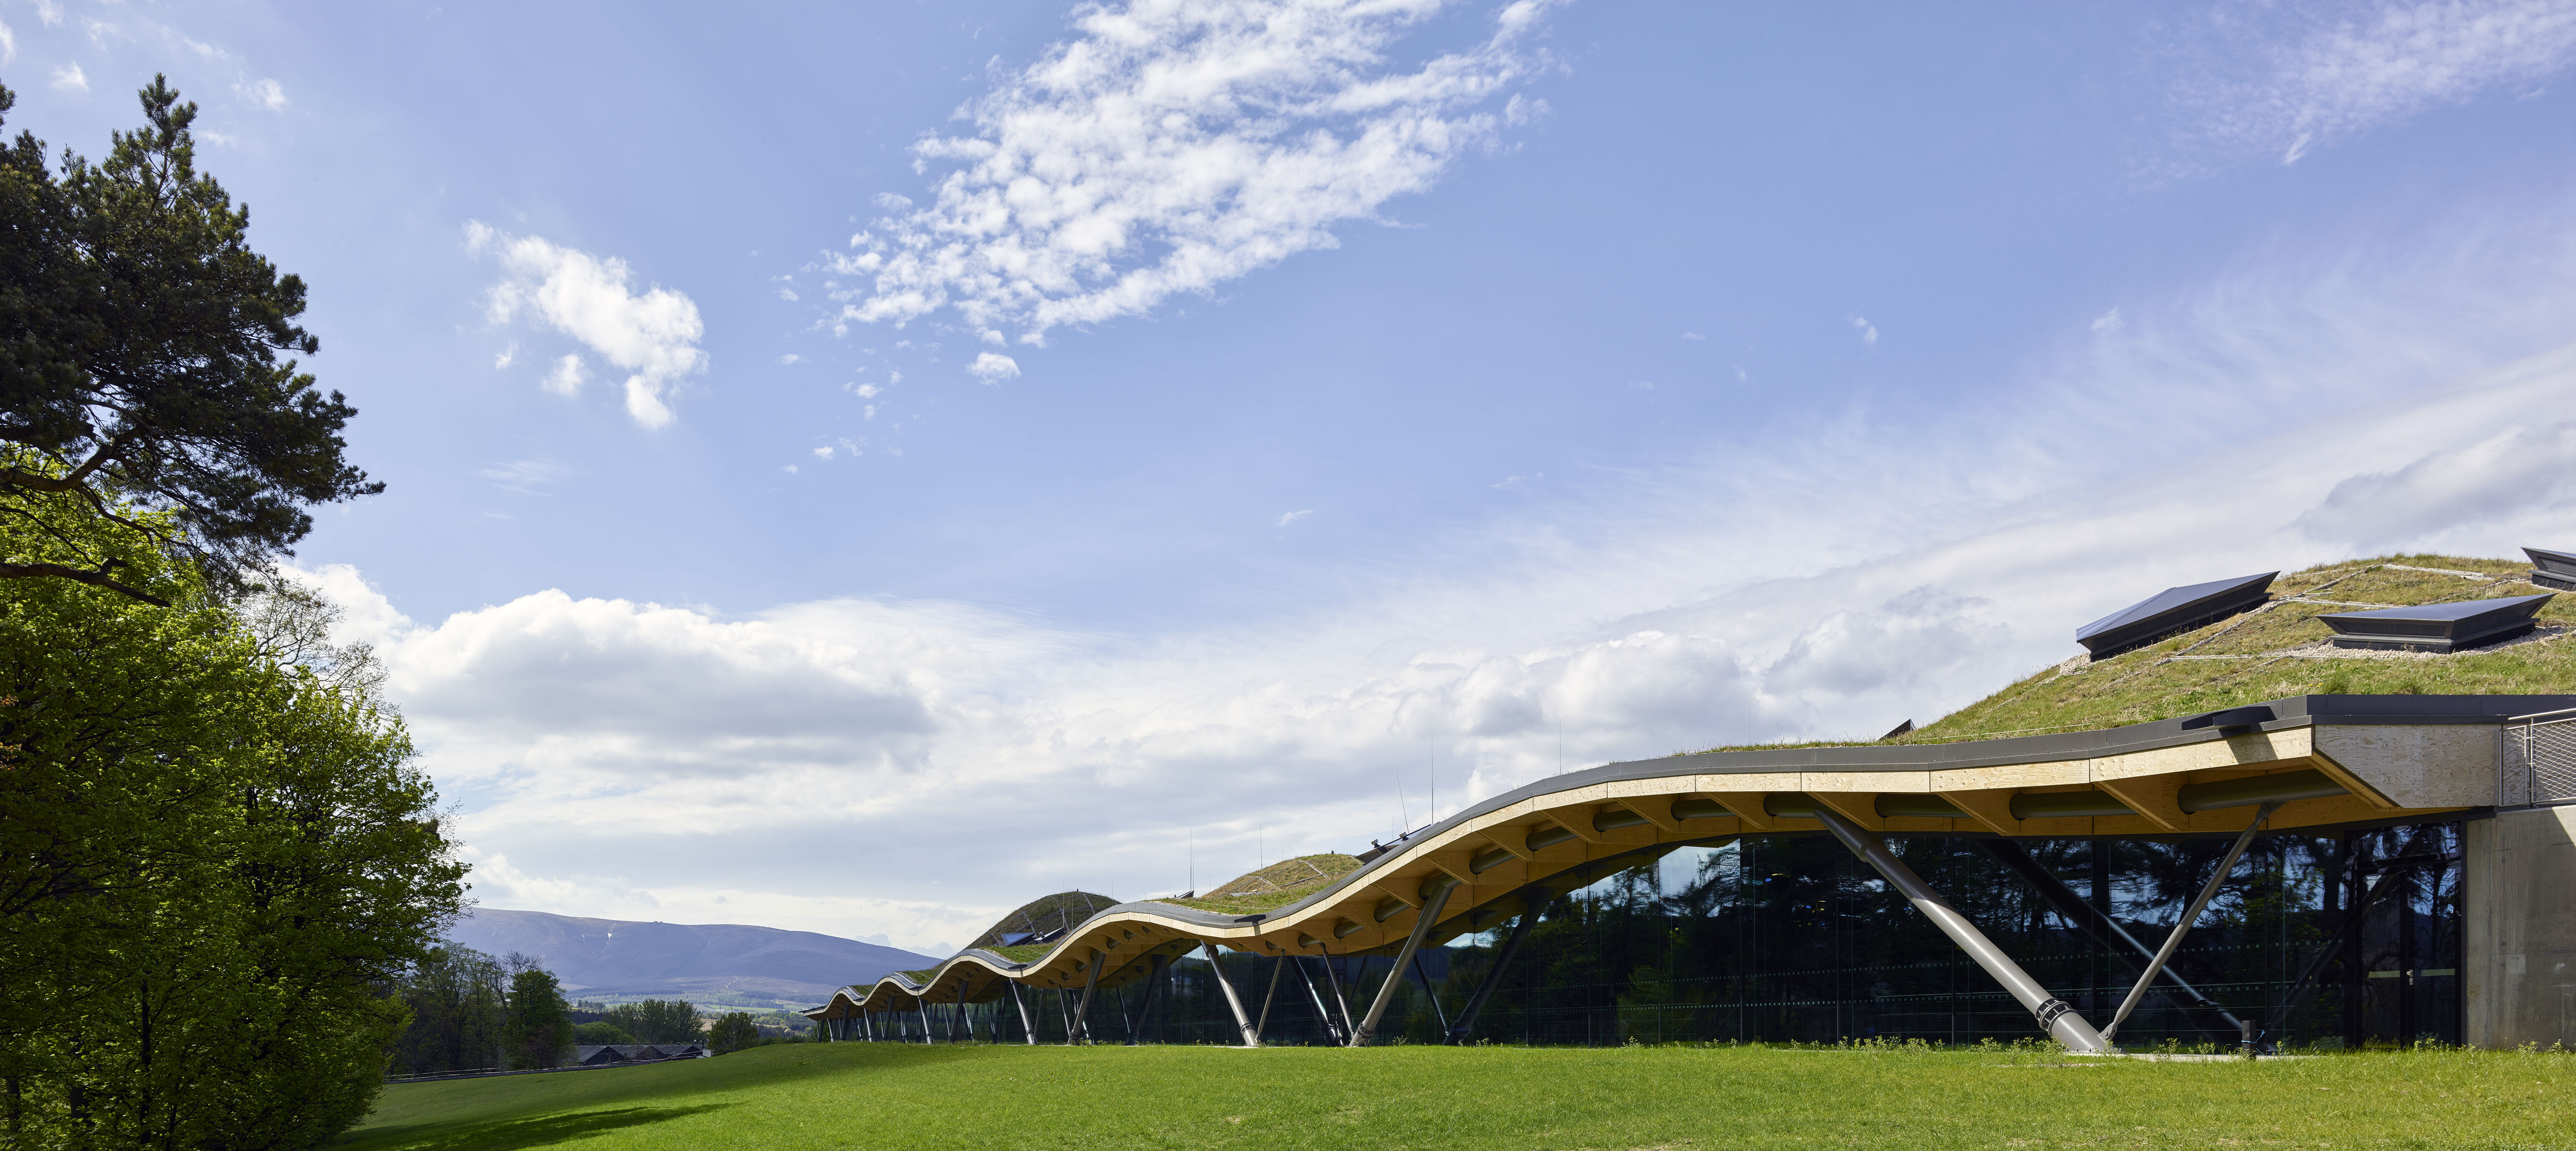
(2190, 915)
(2100, 926)
(2055, 1015)
(1422, 923)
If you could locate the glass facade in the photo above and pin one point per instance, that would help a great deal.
(1791, 938)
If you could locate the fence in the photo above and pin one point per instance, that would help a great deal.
(2539, 759)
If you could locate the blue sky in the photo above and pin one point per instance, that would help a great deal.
(1290, 408)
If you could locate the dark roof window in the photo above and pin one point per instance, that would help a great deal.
(2437, 627)
(2552, 569)
(2173, 610)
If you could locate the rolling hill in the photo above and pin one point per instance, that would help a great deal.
(726, 964)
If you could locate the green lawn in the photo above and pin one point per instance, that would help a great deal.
(807, 1096)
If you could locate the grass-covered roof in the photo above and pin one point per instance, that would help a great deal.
(2280, 649)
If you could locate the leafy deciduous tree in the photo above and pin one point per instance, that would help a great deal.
(212, 862)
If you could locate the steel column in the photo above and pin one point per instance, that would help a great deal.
(1424, 977)
(1157, 987)
(1323, 1014)
(1261, 1026)
(1422, 923)
(1530, 904)
(1026, 1032)
(2190, 915)
(1242, 1022)
(2101, 926)
(1090, 983)
(2055, 1015)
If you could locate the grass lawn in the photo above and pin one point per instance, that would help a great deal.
(807, 1096)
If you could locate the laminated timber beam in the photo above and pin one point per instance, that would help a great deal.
(2326, 760)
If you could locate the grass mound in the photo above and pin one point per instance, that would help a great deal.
(814, 1096)
(2280, 649)
(1277, 885)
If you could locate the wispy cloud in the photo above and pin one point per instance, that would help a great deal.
(1288, 518)
(2280, 81)
(590, 298)
(1868, 331)
(1822, 581)
(1173, 145)
(264, 93)
(527, 477)
(70, 78)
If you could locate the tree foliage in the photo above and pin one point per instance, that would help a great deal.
(731, 1032)
(457, 1000)
(140, 356)
(658, 1020)
(540, 1026)
(213, 861)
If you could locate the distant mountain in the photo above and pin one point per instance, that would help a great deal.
(715, 964)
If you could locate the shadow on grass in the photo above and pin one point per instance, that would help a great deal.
(517, 1134)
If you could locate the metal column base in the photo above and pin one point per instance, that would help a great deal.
(2056, 1016)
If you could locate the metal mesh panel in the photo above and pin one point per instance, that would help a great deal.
(2545, 753)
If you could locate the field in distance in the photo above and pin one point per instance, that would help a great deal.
(802, 1097)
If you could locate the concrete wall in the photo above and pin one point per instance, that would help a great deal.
(2519, 947)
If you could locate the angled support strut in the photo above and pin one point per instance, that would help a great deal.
(1242, 1023)
(1532, 898)
(2055, 1015)
(2101, 927)
(1422, 921)
(1074, 1031)
(2190, 915)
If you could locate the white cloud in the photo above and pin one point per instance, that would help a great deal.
(501, 362)
(789, 358)
(8, 43)
(264, 93)
(1825, 581)
(993, 367)
(1288, 518)
(50, 12)
(567, 378)
(823, 453)
(611, 744)
(70, 78)
(868, 391)
(2516, 481)
(1868, 331)
(654, 336)
(2108, 321)
(1173, 145)
(2283, 80)
(1693, 336)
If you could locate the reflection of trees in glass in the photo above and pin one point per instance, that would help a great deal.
(1781, 938)
(1790, 938)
